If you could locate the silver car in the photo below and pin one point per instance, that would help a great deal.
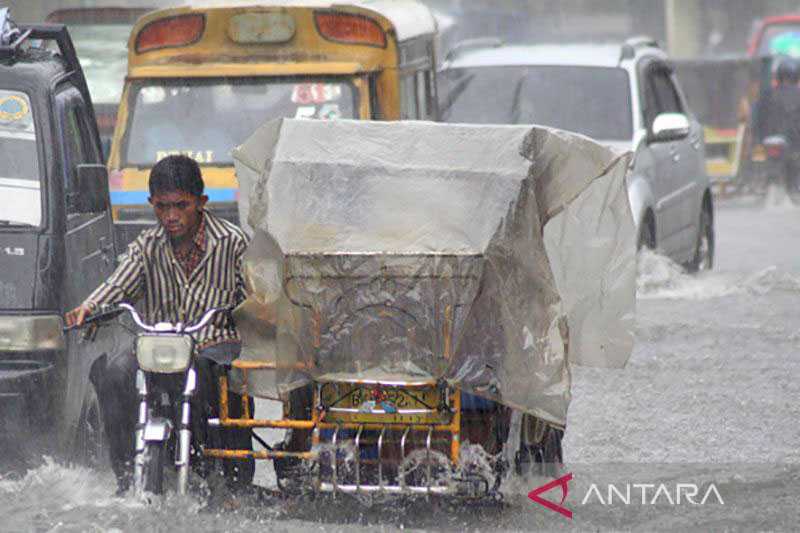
(625, 96)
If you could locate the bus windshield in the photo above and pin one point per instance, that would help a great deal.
(206, 119)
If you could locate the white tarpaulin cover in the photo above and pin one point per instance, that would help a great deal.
(490, 256)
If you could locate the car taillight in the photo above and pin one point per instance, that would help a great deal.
(170, 32)
(350, 29)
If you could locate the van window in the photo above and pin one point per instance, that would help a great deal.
(20, 180)
(72, 139)
(78, 148)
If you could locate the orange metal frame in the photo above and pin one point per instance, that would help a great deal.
(316, 423)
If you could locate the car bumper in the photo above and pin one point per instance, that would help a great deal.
(26, 386)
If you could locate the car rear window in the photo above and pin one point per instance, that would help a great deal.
(594, 101)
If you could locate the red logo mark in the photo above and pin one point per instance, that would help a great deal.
(562, 481)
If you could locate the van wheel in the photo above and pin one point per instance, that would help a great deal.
(91, 442)
(704, 249)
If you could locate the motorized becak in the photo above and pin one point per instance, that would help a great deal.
(416, 293)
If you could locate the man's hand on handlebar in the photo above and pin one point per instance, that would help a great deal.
(77, 316)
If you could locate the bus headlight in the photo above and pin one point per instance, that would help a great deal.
(164, 354)
(30, 333)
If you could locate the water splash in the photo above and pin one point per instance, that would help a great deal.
(660, 277)
(771, 279)
(415, 468)
(55, 497)
(59, 491)
(777, 199)
(66, 486)
(475, 460)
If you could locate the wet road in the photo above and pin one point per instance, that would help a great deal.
(711, 397)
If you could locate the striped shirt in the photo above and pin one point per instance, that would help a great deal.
(152, 276)
(193, 254)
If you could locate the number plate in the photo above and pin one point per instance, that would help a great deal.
(369, 403)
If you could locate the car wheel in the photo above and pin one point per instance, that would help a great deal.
(704, 249)
(91, 443)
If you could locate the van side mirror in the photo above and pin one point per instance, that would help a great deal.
(92, 187)
(669, 127)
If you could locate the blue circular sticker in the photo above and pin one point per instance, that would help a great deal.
(13, 108)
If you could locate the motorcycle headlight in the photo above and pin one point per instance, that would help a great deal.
(164, 354)
(31, 333)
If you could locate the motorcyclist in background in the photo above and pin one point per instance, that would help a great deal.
(778, 113)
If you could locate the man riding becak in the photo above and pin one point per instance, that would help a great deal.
(189, 262)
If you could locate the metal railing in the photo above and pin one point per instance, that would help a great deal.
(355, 483)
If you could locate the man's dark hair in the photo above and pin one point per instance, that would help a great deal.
(176, 173)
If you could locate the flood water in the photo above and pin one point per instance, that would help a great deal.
(711, 395)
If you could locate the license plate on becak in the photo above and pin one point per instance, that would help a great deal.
(356, 402)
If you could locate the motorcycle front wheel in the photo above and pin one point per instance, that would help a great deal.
(153, 467)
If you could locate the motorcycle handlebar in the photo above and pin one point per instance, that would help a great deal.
(116, 310)
(205, 319)
(102, 316)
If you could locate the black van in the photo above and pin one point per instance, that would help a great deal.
(56, 245)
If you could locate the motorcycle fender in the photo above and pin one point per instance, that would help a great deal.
(158, 429)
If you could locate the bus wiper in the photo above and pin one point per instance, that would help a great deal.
(13, 223)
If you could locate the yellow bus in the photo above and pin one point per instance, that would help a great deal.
(201, 80)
